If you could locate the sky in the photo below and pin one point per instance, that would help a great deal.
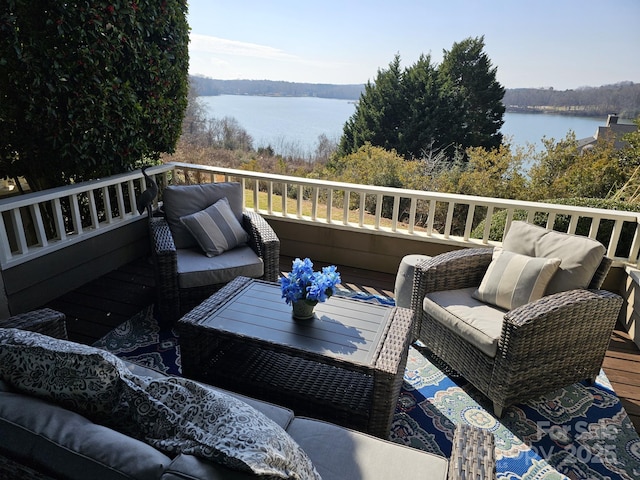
(563, 44)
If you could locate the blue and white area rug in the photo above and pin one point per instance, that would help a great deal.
(578, 432)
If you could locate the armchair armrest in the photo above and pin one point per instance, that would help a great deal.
(473, 454)
(161, 238)
(165, 262)
(449, 271)
(264, 242)
(539, 334)
(546, 315)
(45, 321)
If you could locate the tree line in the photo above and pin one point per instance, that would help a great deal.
(621, 98)
(209, 87)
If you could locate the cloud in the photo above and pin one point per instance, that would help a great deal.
(221, 46)
(225, 59)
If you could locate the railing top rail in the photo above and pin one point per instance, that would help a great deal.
(425, 195)
(27, 199)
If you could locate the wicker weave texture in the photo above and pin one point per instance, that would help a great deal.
(351, 394)
(547, 344)
(174, 301)
(45, 321)
(472, 454)
(11, 469)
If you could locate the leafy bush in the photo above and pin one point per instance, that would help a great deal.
(89, 88)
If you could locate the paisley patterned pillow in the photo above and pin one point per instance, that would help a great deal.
(174, 415)
(81, 378)
(177, 415)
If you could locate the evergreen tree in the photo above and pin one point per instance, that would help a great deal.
(429, 107)
(379, 115)
(426, 109)
(467, 74)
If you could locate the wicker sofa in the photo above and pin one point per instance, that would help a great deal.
(184, 275)
(513, 355)
(41, 440)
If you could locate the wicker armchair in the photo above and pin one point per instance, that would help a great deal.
(546, 344)
(174, 301)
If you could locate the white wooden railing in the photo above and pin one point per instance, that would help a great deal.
(449, 218)
(35, 224)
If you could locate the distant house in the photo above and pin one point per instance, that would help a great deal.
(612, 129)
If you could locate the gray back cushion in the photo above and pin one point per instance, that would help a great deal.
(181, 200)
(580, 255)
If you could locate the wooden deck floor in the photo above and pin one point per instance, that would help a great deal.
(99, 306)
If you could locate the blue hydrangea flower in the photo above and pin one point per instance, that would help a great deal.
(305, 284)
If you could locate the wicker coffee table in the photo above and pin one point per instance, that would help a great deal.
(345, 366)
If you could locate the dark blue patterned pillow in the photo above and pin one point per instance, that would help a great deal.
(81, 378)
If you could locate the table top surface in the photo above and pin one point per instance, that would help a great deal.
(342, 328)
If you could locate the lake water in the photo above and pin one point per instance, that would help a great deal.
(293, 124)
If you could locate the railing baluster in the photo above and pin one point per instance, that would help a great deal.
(38, 225)
(378, 211)
(18, 227)
(551, 220)
(270, 198)
(362, 208)
(76, 217)
(120, 200)
(314, 204)
(61, 231)
(595, 226)
(395, 213)
(447, 226)
(300, 200)
(487, 226)
(256, 196)
(432, 215)
(345, 207)
(531, 215)
(329, 204)
(509, 218)
(469, 222)
(93, 210)
(132, 197)
(614, 239)
(285, 197)
(635, 246)
(573, 223)
(412, 214)
(5, 246)
(106, 197)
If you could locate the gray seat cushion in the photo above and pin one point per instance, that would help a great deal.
(197, 270)
(339, 453)
(475, 321)
(48, 436)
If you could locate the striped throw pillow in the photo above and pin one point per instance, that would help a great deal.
(216, 228)
(513, 279)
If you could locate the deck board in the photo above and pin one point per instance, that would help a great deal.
(101, 305)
